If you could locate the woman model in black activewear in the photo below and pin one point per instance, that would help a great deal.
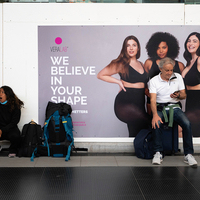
(191, 76)
(130, 102)
(10, 113)
(161, 45)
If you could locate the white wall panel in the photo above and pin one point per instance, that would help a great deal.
(91, 13)
(192, 14)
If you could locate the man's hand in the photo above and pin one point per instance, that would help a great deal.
(155, 121)
(176, 94)
(181, 94)
(0, 132)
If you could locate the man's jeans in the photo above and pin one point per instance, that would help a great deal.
(181, 119)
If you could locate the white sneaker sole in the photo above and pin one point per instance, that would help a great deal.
(157, 163)
(12, 155)
(194, 165)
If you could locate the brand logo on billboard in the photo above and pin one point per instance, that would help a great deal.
(59, 48)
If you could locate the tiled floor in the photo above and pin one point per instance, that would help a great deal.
(98, 177)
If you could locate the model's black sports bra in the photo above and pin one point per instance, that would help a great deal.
(135, 76)
(155, 69)
(192, 77)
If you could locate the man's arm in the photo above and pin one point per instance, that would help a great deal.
(156, 117)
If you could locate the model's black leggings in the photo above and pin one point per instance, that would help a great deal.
(130, 108)
(192, 110)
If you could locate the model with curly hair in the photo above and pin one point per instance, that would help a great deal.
(161, 45)
(130, 102)
(191, 75)
(10, 113)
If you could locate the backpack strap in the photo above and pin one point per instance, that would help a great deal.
(38, 131)
(33, 154)
(67, 123)
(56, 118)
(69, 134)
(46, 134)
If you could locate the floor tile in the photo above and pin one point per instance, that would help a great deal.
(166, 187)
(12, 173)
(16, 162)
(189, 172)
(173, 161)
(58, 162)
(98, 161)
(176, 196)
(120, 197)
(157, 173)
(176, 161)
(17, 197)
(132, 161)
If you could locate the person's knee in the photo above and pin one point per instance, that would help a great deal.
(15, 138)
(186, 124)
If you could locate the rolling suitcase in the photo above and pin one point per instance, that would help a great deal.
(170, 139)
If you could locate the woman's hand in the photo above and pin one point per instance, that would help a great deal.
(106, 75)
(121, 86)
(147, 92)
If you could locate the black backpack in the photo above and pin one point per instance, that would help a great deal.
(31, 137)
(143, 144)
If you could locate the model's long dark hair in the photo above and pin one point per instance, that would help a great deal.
(156, 39)
(186, 54)
(13, 100)
(123, 60)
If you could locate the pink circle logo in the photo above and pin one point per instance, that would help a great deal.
(58, 40)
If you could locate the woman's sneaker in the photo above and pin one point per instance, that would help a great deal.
(190, 160)
(157, 159)
(12, 155)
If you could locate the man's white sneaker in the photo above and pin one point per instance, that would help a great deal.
(157, 159)
(190, 160)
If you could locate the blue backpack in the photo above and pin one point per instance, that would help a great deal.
(143, 144)
(58, 132)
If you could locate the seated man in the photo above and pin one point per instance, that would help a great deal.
(166, 89)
